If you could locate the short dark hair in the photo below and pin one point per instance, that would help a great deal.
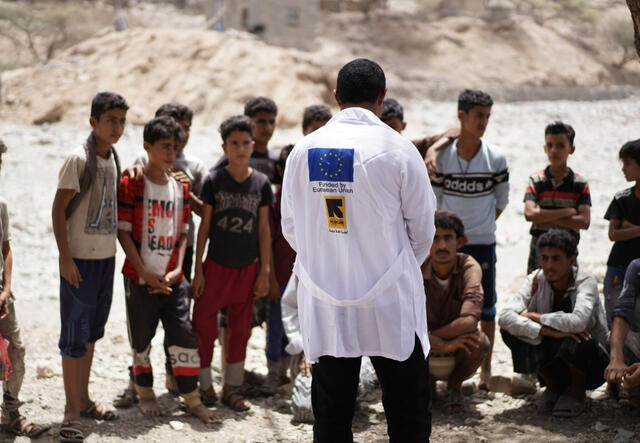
(631, 150)
(470, 98)
(391, 108)
(558, 127)
(449, 220)
(558, 238)
(3, 147)
(236, 123)
(162, 127)
(315, 113)
(284, 154)
(176, 110)
(257, 104)
(104, 101)
(360, 81)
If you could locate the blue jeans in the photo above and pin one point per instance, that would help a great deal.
(613, 280)
(276, 337)
(485, 255)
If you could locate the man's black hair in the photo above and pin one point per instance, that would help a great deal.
(176, 110)
(391, 108)
(257, 104)
(284, 154)
(449, 220)
(631, 150)
(559, 127)
(104, 101)
(473, 97)
(558, 238)
(360, 81)
(315, 113)
(236, 123)
(162, 127)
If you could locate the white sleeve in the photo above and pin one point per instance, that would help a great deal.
(286, 204)
(576, 321)
(510, 318)
(418, 204)
(502, 188)
(70, 172)
(290, 320)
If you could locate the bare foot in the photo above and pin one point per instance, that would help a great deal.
(203, 413)
(151, 408)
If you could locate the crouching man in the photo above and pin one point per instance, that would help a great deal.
(556, 328)
(453, 288)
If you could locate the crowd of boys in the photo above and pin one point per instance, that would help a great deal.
(555, 326)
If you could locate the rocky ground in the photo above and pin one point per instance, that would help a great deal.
(28, 183)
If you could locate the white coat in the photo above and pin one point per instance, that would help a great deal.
(357, 207)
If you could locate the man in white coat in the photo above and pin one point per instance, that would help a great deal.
(358, 208)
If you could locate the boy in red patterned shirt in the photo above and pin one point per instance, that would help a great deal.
(152, 222)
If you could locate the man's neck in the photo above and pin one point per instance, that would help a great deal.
(102, 148)
(156, 175)
(443, 270)
(468, 146)
(239, 172)
(637, 188)
(260, 148)
(560, 286)
(559, 172)
(368, 106)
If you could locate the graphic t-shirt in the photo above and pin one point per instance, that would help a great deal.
(92, 228)
(624, 206)
(233, 235)
(4, 234)
(264, 162)
(192, 168)
(162, 217)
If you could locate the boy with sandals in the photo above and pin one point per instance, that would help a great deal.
(235, 219)
(12, 420)
(85, 227)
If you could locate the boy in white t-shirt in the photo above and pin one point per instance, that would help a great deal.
(152, 228)
(85, 226)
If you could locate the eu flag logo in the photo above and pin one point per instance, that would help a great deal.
(328, 164)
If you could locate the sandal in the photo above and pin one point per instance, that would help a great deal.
(235, 401)
(569, 407)
(126, 399)
(208, 400)
(20, 426)
(546, 402)
(73, 431)
(253, 378)
(98, 412)
(454, 401)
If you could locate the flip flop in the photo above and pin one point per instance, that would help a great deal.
(19, 425)
(546, 402)
(567, 406)
(99, 412)
(455, 400)
(126, 399)
(73, 429)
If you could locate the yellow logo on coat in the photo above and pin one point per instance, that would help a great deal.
(336, 212)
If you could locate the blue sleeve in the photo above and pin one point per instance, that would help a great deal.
(630, 291)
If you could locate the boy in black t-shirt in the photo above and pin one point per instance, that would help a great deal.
(624, 226)
(235, 214)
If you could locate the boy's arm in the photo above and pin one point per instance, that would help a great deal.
(172, 276)
(581, 220)
(621, 230)
(197, 284)
(6, 279)
(534, 213)
(439, 143)
(261, 286)
(68, 268)
(461, 325)
(156, 281)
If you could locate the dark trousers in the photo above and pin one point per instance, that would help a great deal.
(405, 396)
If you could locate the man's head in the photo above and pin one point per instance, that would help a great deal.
(314, 117)
(558, 143)
(3, 149)
(161, 137)
(361, 82)
(263, 111)
(393, 114)
(448, 239)
(108, 116)
(630, 156)
(182, 114)
(281, 163)
(237, 139)
(557, 251)
(474, 110)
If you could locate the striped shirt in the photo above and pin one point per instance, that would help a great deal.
(131, 216)
(571, 192)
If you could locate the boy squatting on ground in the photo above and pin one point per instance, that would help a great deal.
(152, 222)
(189, 170)
(235, 219)
(263, 112)
(556, 328)
(472, 181)
(624, 226)
(12, 420)
(556, 197)
(624, 364)
(453, 289)
(85, 227)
